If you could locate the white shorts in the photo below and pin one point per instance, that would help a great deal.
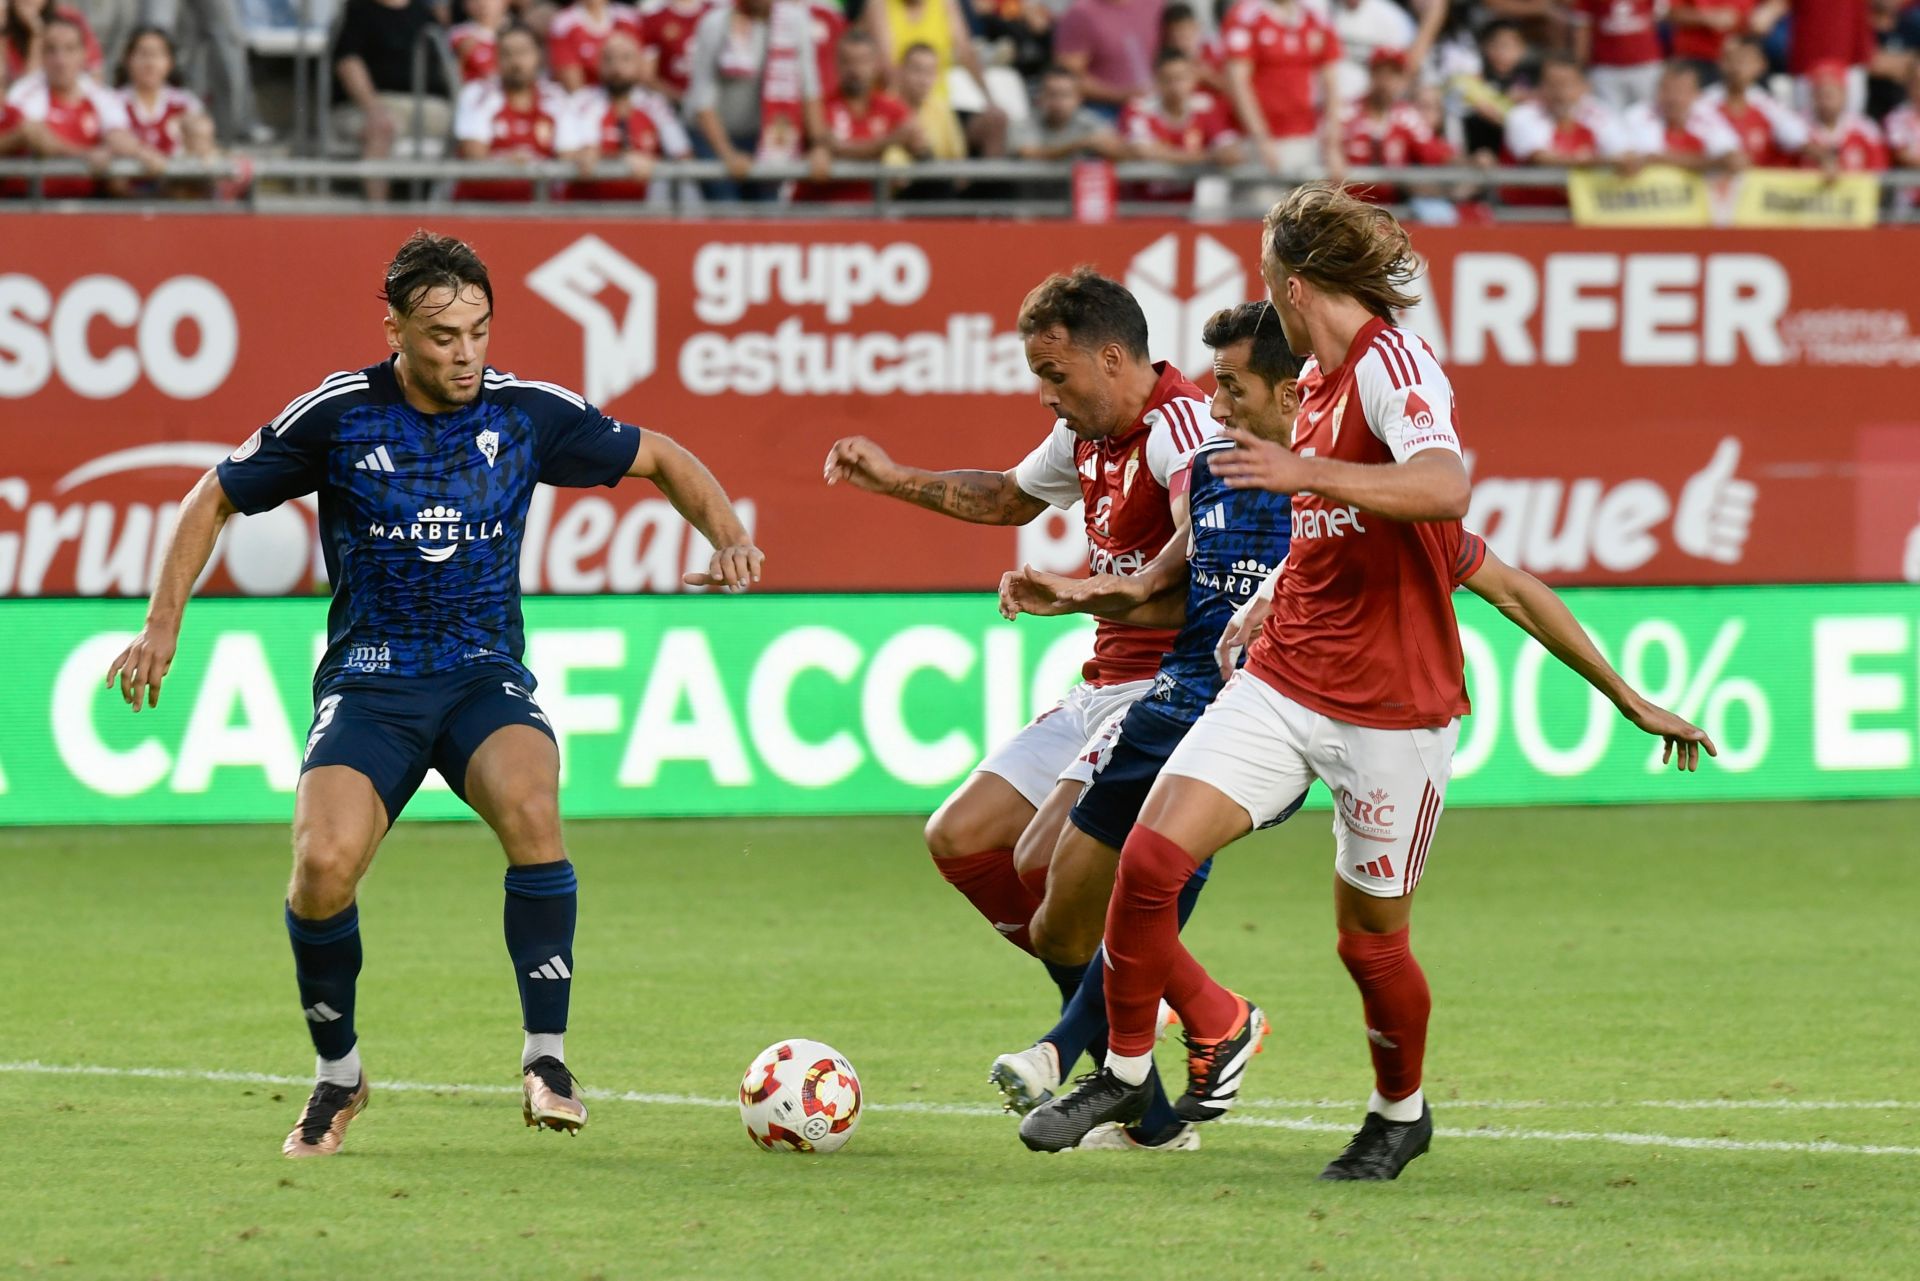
(1624, 88)
(1389, 785)
(1060, 744)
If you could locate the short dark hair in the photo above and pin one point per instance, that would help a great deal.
(1055, 71)
(1270, 358)
(428, 262)
(1177, 12)
(1170, 54)
(1682, 67)
(860, 35)
(1092, 309)
(919, 46)
(1498, 25)
(518, 28)
(1551, 60)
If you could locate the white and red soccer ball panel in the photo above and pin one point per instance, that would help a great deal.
(800, 1096)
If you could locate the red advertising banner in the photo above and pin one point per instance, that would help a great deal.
(1639, 407)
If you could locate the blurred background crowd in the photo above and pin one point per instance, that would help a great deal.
(1301, 87)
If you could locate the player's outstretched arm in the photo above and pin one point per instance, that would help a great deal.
(1538, 612)
(696, 495)
(982, 497)
(1154, 597)
(1431, 485)
(142, 665)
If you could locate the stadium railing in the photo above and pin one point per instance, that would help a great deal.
(995, 188)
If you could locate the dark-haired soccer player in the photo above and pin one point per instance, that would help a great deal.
(424, 464)
(1126, 429)
(1238, 537)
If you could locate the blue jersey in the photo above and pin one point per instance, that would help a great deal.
(1239, 535)
(422, 515)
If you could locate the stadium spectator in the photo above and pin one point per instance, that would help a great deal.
(1839, 140)
(1504, 78)
(373, 60)
(1110, 45)
(1020, 32)
(1618, 41)
(476, 41)
(864, 121)
(18, 136)
(666, 44)
(1179, 124)
(517, 115)
(220, 47)
(918, 81)
(164, 117)
(1677, 128)
(1826, 33)
(621, 119)
(1277, 52)
(1770, 133)
(755, 91)
(1700, 28)
(941, 25)
(76, 115)
(575, 37)
(1542, 23)
(1384, 128)
(1903, 127)
(829, 23)
(1062, 126)
(1180, 29)
(25, 32)
(1896, 38)
(1564, 124)
(1364, 27)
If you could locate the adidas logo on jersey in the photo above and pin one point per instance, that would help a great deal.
(378, 460)
(552, 968)
(1215, 517)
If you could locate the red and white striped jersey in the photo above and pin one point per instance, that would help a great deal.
(478, 49)
(1203, 124)
(1706, 132)
(1126, 482)
(83, 118)
(642, 122)
(531, 128)
(666, 32)
(1626, 33)
(159, 127)
(1770, 134)
(1856, 140)
(1362, 627)
(1903, 133)
(574, 38)
(1589, 133)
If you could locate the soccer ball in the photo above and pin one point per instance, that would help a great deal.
(800, 1096)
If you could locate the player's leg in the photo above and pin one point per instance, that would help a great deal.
(363, 762)
(1390, 788)
(499, 753)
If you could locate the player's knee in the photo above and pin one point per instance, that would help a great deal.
(530, 825)
(949, 835)
(326, 872)
(1061, 939)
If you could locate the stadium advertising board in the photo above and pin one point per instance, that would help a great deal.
(880, 704)
(1640, 407)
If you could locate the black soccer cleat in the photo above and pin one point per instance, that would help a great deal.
(1059, 1124)
(1382, 1149)
(1215, 1069)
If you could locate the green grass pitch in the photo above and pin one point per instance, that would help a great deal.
(1673, 1042)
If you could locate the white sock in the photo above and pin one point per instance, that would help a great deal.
(339, 1071)
(540, 1044)
(1131, 1068)
(1407, 1109)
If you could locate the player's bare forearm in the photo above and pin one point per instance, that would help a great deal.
(979, 497)
(203, 515)
(1431, 485)
(1541, 614)
(692, 489)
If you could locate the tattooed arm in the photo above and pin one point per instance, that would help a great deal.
(982, 497)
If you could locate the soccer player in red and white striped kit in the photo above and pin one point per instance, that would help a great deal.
(1356, 679)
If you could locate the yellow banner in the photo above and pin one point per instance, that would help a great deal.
(1806, 198)
(1657, 196)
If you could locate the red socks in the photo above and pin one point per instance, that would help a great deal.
(1393, 992)
(1145, 958)
(991, 884)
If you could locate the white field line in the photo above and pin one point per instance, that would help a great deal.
(1302, 1124)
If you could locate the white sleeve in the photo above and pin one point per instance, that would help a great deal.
(1179, 428)
(1716, 134)
(1789, 130)
(1528, 132)
(579, 127)
(1049, 472)
(1406, 396)
(674, 141)
(1639, 134)
(473, 119)
(112, 111)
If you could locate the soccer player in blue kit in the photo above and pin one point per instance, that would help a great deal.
(1238, 537)
(425, 464)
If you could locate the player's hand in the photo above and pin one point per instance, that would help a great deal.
(1715, 511)
(1256, 463)
(1241, 629)
(820, 163)
(734, 568)
(1682, 739)
(142, 665)
(1034, 591)
(862, 464)
(739, 165)
(640, 165)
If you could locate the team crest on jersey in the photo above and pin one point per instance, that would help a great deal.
(248, 448)
(488, 443)
(1339, 412)
(1126, 478)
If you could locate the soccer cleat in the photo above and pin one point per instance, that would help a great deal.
(1215, 1068)
(1097, 1098)
(1382, 1148)
(1028, 1078)
(323, 1123)
(552, 1097)
(1114, 1137)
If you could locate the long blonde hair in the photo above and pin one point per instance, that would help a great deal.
(1343, 245)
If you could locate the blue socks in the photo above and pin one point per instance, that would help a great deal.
(1068, 979)
(326, 963)
(542, 903)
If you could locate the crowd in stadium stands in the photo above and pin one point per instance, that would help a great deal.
(1301, 86)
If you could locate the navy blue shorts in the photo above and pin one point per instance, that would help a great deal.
(1125, 772)
(394, 729)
